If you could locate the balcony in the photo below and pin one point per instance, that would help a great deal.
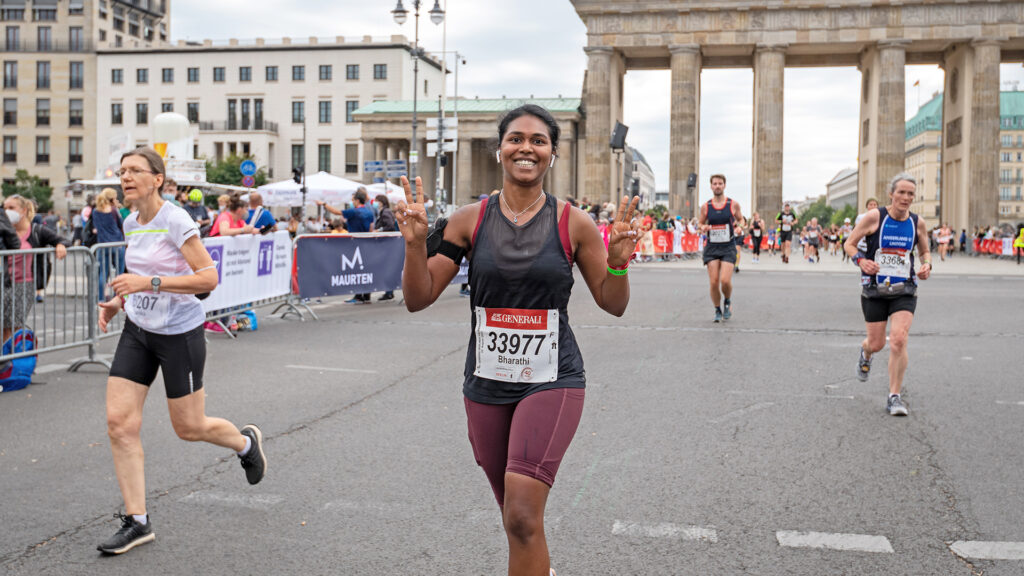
(53, 46)
(1009, 181)
(224, 126)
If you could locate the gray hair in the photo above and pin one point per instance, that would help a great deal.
(898, 178)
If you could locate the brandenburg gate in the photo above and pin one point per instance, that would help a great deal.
(967, 38)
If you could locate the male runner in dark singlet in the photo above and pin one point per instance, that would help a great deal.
(786, 220)
(718, 218)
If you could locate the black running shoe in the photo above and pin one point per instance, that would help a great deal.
(718, 315)
(727, 310)
(254, 462)
(130, 535)
(895, 406)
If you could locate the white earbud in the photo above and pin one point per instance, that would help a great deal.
(497, 156)
(552, 161)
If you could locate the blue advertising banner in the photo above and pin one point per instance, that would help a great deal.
(341, 264)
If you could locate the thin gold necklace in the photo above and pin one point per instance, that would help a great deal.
(515, 217)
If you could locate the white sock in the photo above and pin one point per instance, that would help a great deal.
(892, 395)
(141, 518)
(248, 444)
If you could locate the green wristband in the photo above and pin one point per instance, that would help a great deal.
(615, 272)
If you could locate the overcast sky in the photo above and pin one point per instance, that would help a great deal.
(535, 47)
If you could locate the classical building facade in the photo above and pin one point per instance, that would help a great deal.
(969, 38)
(49, 78)
(286, 103)
(841, 191)
(924, 159)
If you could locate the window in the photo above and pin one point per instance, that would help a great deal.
(298, 112)
(193, 75)
(76, 8)
(232, 115)
(118, 41)
(298, 155)
(76, 112)
(10, 111)
(350, 107)
(298, 73)
(271, 73)
(44, 38)
(246, 114)
(257, 113)
(193, 112)
(325, 112)
(42, 149)
(142, 76)
(1007, 140)
(142, 113)
(118, 18)
(12, 39)
(218, 74)
(77, 75)
(103, 9)
(166, 107)
(1007, 157)
(10, 74)
(10, 149)
(323, 157)
(44, 14)
(75, 150)
(117, 76)
(42, 75)
(380, 71)
(352, 72)
(167, 75)
(42, 112)
(117, 113)
(12, 13)
(76, 41)
(245, 74)
(325, 71)
(351, 158)
(424, 86)
(133, 24)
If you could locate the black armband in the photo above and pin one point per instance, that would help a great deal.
(436, 244)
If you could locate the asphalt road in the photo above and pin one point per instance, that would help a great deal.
(703, 449)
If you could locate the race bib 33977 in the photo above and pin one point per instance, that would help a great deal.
(516, 345)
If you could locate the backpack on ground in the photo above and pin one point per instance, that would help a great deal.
(17, 373)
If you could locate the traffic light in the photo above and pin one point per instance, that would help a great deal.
(297, 175)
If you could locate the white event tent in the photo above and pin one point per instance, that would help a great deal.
(331, 189)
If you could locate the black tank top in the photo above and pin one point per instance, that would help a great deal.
(719, 217)
(521, 267)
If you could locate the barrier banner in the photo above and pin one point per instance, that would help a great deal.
(662, 241)
(341, 264)
(250, 267)
(1007, 247)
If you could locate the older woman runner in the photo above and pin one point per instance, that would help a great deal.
(524, 375)
(167, 265)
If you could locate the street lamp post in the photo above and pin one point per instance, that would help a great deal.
(401, 14)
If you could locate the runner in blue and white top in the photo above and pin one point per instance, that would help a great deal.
(886, 261)
(167, 266)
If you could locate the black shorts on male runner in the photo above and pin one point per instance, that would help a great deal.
(723, 252)
(880, 309)
(181, 357)
(785, 236)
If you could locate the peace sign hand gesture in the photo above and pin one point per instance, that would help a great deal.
(412, 215)
(625, 233)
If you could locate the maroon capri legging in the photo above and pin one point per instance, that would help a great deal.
(528, 437)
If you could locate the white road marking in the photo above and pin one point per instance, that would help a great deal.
(989, 550)
(330, 369)
(823, 396)
(1005, 403)
(850, 542)
(47, 368)
(256, 502)
(665, 530)
(742, 411)
(966, 358)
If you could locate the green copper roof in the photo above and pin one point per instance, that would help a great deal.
(482, 105)
(929, 117)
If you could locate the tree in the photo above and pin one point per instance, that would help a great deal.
(30, 187)
(848, 211)
(227, 172)
(657, 212)
(820, 210)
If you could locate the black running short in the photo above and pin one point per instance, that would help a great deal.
(181, 357)
(785, 236)
(880, 309)
(723, 252)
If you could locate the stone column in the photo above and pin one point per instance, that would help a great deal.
(562, 171)
(684, 142)
(369, 155)
(892, 96)
(464, 187)
(597, 105)
(983, 203)
(769, 77)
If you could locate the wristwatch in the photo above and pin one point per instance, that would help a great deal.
(156, 284)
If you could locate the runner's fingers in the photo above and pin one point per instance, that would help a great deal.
(632, 206)
(620, 214)
(420, 196)
(408, 190)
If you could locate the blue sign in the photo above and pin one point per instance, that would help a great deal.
(247, 168)
(341, 264)
(377, 179)
(373, 166)
(264, 265)
(217, 255)
(397, 173)
(396, 164)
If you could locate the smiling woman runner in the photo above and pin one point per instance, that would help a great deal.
(167, 266)
(524, 376)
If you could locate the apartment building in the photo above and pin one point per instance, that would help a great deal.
(49, 79)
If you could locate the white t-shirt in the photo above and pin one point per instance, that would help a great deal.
(154, 249)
